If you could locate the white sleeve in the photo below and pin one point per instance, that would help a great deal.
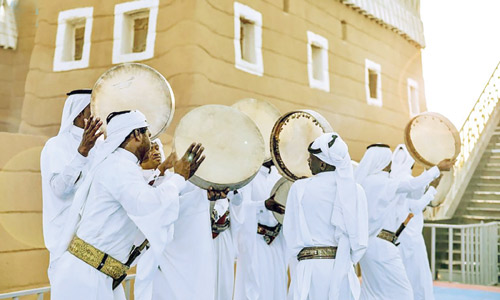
(418, 205)
(65, 182)
(416, 183)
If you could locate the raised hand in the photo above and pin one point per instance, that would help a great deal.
(274, 205)
(90, 135)
(190, 161)
(436, 181)
(446, 164)
(168, 163)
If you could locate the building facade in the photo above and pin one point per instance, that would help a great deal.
(357, 62)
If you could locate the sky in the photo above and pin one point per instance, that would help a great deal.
(462, 51)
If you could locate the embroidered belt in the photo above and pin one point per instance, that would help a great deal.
(220, 225)
(268, 233)
(317, 253)
(96, 258)
(388, 236)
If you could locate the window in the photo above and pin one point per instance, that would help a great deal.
(317, 62)
(135, 30)
(248, 39)
(413, 101)
(373, 83)
(73, 39)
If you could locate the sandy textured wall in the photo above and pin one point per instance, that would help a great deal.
(14, 66)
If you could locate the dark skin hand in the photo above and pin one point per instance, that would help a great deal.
(190, 161)
(90, 135)
(168, 163)
(274, 205)
(436, 181)
(214, 195)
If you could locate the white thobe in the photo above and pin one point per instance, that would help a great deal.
(190, 256)
(261, 271)
(119, 203)
(413, 250)
(382, 269)
(225, 249)
(62, 168)
(308, 219)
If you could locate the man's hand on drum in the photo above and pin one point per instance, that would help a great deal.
(214, 195)
(436, 181)
(446, 164)
(190, 161)
(274, 205)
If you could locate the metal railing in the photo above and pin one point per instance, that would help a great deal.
(477, 248)
(40, 292)
(474, 135)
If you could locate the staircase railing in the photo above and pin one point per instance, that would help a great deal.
(478, 249)
(475, 135)
(40, 292)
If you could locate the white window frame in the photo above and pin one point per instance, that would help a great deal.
(245, 12)
(64, 21)
(370, 65)
(413, 84)
(123, 9)
(317, 40)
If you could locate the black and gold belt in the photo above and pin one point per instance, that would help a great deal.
(388, 236)
(326, 252)
(96, 258)
(269, 233)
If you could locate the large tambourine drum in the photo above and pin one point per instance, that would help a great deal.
(280, 192)
(134, 86)
(234, 147)
(430, 138)
(291, 136)
(264, 115)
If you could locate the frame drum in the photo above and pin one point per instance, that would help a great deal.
(430, 138)
(134, 86)
(280, 192)
(264, 114)
(290, 138)
(234, 147)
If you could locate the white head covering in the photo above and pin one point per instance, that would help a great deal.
(401, 162)
(116, 131)
(376, 158)
(160, 145)
(74, 105)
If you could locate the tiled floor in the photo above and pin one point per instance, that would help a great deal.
(454, 291)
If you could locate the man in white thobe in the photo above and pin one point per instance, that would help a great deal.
(64, 163)
(412, 246)
(383, 273)
(189, 256)
(113, 203)
(325, 225)
(261, 271)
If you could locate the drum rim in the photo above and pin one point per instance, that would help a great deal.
(274, 190)
(411, 147)
(154, 71)
(274, 139)
(205, 184)
(267, 158)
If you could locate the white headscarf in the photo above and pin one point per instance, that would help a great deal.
(116, 131)
(376, 158)
(160, 145)
(74, 105)
(401, 162)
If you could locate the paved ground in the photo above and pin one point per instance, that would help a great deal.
(454, 291)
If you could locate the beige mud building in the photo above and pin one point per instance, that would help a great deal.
(357, 62)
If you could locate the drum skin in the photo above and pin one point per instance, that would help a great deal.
(280, 192)
(264, 115)
(134, 86)
(234, 147)
(430, 138)
(291, 136)
(443, 187)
